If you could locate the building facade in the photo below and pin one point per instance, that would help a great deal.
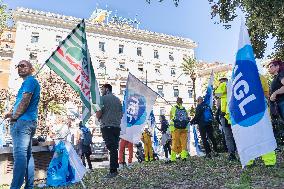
(7, 42)
(117, 47)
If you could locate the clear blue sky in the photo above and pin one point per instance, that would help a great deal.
(191, 19)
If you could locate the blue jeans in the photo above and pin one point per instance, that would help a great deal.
(22, 133)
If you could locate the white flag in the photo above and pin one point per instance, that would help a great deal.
(138, 103)
(248, 108)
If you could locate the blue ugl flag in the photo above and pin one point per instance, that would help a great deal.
(250, 119)
(153, 124)
(152, 119)
(208, 98)
(138, 103)
(66, 167)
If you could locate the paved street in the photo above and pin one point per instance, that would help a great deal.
(100, 164)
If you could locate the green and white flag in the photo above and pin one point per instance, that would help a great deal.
(72, 62)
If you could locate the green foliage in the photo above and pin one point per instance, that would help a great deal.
(176, 2)
(4, 16)
(55, 92)
(263, 18)
(189, 66)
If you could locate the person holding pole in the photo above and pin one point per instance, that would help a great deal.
(23, 122)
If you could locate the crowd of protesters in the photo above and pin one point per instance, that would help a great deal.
(174, 132)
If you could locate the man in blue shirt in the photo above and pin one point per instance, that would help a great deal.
(23, 124)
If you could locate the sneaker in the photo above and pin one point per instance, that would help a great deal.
(121, 166)
(130, 165)
(111, 175)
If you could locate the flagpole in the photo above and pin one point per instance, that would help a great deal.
(153, 91)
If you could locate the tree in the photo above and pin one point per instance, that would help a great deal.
(55, 92)
(264, 19)
(6, 98)
(4, 16)
(176, 2)
(189, 67)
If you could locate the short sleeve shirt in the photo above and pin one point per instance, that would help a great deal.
(30, 85)
(276, 84)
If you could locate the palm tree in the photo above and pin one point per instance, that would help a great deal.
(189, 66)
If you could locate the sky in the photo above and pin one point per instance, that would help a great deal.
(191, 19)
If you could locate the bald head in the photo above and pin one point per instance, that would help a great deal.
(25, 68)
(25, 62)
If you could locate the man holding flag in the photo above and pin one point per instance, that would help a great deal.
(248, 109)
(72, 62)
(110, 118)
(221, 92)
(204, 118)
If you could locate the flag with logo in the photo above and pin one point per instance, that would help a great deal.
(138, 103)
(192, 142)
(65, 167)
(72, 62)
(153, 126)
(249, 114)
(208, 98)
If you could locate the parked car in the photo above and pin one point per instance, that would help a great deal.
(99, 151)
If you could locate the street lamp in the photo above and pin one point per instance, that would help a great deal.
(193, 78)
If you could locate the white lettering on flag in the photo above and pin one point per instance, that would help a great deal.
(251, 123)
(138, 103)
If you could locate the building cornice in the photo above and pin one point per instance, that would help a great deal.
(68, 22)
(206, 68)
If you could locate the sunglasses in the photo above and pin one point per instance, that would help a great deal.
(22, 66)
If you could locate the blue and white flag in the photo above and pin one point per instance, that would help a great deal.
(138, 103)
(251, 123)
(152, 119)
(66, 167)
(208, 98)
(153, 128)
(192, 143)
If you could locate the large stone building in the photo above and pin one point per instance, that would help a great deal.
(117, 47)
(7, 42)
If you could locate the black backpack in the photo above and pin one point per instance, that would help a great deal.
(181, 118)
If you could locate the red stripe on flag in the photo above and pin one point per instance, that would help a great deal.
(60, 52)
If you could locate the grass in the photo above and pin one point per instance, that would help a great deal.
(197, 172)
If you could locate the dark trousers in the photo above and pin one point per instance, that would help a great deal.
(167, 149)
(206, 132)
(87, 156)
(111, 138)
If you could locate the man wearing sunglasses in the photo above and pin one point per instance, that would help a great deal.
(23, 124)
